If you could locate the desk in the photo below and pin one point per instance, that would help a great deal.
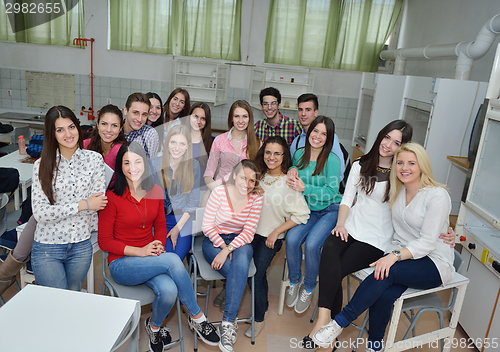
(25, 174)
(458, 281)
(63, 320)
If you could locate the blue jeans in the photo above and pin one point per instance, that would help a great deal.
(380, 295)
(262, 257)
(183, 240)
(313, 233)
(165, 275)
(61, 265)
(235, 271)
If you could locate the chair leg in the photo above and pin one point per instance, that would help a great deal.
(253, 309)
(414, 331)
(314, 313)
(284, 283)
(179, 321)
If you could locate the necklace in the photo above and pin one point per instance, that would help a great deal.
(384, 171)
(146, 207)
(276, 178)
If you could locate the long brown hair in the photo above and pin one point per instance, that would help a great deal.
(327, 147)
(184, 172)
(369, 161)
(95, 140)
(253, 142)
(206, 132)
(49, 164)
(285, 163)
(187, 104)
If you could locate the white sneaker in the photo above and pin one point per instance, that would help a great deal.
(327, 335)
(304, 300)
(227, 337)
(292, 294)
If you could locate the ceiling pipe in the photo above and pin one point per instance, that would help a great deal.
(466, 52)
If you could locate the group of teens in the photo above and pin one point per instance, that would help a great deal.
(256, 190)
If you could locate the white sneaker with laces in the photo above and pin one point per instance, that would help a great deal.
(227, 337)
(327, 335)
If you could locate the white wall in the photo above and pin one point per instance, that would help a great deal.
(431, 22)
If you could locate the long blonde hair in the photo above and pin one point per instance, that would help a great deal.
(426, 176)
(184, 171)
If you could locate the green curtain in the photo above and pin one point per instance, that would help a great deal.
(338, 34)
(201, 28)
(56, 31)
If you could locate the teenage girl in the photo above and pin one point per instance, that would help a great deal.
(239, 143)
(420, 210)
(315, 173)
(282, 209)
(68, 190)
(179, 175)
(136, 253)
(229, 224)
(106, 139)
(177, 105)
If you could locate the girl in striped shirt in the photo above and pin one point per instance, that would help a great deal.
(231, 218)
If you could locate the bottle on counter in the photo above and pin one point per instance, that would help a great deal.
(21, 142)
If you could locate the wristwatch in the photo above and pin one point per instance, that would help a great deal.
(397, 253)
(230, 247)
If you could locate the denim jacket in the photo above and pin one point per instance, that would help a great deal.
(175, 201)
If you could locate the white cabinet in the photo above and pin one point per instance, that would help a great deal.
(290, 83)
(205, 81)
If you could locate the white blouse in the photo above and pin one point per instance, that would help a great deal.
(369, 220)
(77, 179)
(418, 225)
(281, 203)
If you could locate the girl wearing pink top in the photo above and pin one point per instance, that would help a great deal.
(229, 224)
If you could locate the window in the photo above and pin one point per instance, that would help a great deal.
(201, 28)
(339, 34)
(44, 28)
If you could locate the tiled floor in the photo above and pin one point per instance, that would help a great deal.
(281, 333)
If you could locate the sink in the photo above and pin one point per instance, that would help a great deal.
(22, 116)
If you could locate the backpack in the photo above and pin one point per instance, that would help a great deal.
(9, 179)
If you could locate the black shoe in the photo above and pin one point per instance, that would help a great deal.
(155, 341)
(206, 331)
(309, 343)
(165, 335)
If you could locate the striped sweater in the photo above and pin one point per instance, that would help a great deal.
(220, 218)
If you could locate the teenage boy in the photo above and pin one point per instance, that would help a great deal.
(136, 113)
(275, 123)
(308, 111)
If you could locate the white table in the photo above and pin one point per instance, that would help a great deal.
(25, 174)
(63, 320)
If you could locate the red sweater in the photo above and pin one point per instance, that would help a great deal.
(120, 223)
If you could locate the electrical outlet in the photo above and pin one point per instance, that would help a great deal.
(108, 100)
(9, 92)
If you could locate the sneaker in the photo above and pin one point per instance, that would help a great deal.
(155, 342)
(259, 325)
(227, 337)
(304, 300)
(165, 335)
(327, 335)
(292, 294)
(308, 343)
(206, 331)
(220, 297)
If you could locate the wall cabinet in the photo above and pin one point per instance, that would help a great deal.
(204, 80)
(290, 83)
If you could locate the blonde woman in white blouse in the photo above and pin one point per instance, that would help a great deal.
(282, 209)
(68, 190)
(420, 213)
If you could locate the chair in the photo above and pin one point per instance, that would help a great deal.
(18, 131)
(140, 293)
(430, 303)
(4, 200)
(200, 266)
(425, 300)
